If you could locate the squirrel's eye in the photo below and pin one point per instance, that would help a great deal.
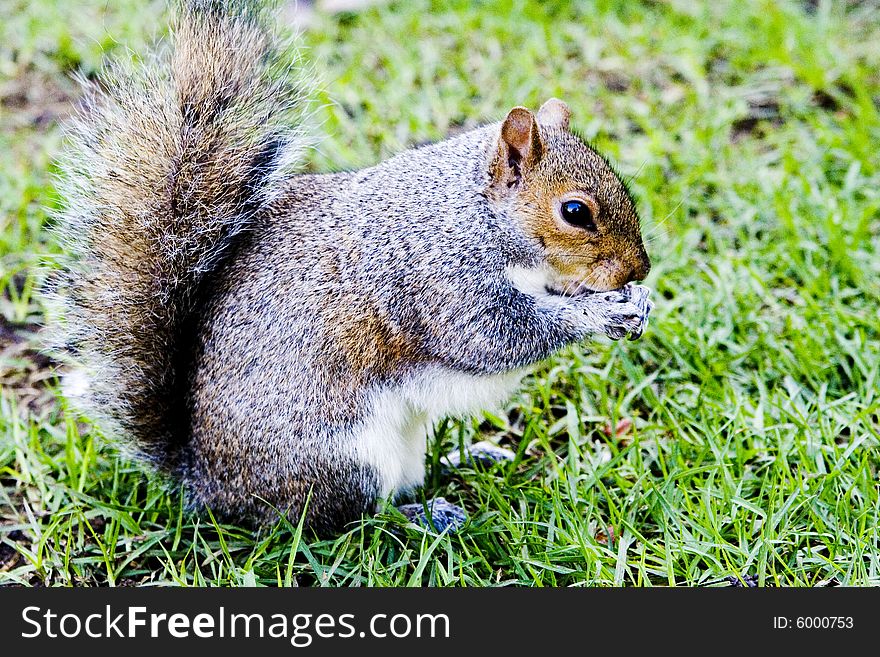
(578, 213)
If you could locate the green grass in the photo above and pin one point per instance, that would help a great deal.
(750, 132)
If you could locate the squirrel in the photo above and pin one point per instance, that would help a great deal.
(281, 342)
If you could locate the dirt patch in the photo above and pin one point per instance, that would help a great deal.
(35, 99)
(9, 556)
(834, 99)
(24, 370)
(762, 109)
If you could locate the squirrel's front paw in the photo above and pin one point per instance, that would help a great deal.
(621, 312)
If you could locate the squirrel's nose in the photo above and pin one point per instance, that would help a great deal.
(636, 273)
(640, 268)
(614, 274)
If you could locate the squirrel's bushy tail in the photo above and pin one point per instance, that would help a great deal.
(167, 162)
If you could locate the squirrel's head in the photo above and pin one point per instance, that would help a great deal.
(568, 199)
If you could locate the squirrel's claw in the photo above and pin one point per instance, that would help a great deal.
(646, 306)
(628, 312)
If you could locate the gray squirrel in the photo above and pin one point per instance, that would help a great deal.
(283, 342)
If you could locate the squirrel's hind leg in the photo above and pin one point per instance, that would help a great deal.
(483, 453)
(437, 514)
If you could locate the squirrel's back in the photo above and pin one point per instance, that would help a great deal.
(167, 165)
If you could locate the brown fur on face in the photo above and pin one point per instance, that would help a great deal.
(539, 165)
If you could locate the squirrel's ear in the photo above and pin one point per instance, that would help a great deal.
(554, 114)
(520, 145)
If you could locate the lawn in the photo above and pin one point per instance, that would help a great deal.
(738, 437)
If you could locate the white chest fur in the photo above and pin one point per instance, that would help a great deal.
(393, 440)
